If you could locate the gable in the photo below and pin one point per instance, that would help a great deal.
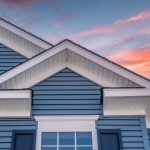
(66, 93)
(9, 59)
(75, 62)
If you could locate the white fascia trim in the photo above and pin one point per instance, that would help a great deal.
(21, 94)
(80, 51)
(67, 118)
(126, 92)
(124, 112)
(24, 34)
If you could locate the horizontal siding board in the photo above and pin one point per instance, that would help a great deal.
(69, 87)
(73, 96)
(66, 102)
(9, 59)
(7, 127)
(66, 93)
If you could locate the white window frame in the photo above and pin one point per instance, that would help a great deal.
(67, 124)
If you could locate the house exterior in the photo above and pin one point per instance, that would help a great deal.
(65, 97)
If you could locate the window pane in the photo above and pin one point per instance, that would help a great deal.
(49, 148)
(49, 138)
(84, 138)
(66, 148)
(84, 148)
(66, 138)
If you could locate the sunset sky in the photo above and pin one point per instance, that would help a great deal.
(116, 29)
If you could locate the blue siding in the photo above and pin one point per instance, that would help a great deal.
(66, 93)
(6, 128)
(9, 59)
(131, 130)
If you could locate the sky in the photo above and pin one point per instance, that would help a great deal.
(116, 29)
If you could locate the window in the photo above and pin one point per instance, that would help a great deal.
(23, 140)
(67, 141)
(66, 133)
(109, 139)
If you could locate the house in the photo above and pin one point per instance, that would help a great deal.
(65, 97)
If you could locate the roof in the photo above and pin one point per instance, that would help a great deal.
(68, 44)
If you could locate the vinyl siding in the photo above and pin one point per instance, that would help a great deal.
(131, 130)
(7, 126)
(9, 59)
(66, 93)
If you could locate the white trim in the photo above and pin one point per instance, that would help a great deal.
(124, 112)
(80, 51)
(15, 94)
(66, 118)
(126, 92)
(17, 114)
(24, 34)
(67, 124)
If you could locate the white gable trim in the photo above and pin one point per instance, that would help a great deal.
(76, 49)
(127, 102)
(24, 34)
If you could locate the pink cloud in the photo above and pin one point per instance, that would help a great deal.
(141, 16)
(95, 31)
(20, 3)
(63, 18)
(137, 60)
(113, 28)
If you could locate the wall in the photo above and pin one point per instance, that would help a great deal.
(9, 59)
(66, 93)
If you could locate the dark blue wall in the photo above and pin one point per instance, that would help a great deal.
(66, 93)
(9, 59)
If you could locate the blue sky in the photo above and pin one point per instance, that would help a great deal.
(116, 29)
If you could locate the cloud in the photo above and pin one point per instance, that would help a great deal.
(95, 31)
(62, 19)
(115, 27)
(137, 60)
(141, 16)
(20, 3)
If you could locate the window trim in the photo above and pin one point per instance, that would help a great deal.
(22, 132)
(75, 123)
(110, 131)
